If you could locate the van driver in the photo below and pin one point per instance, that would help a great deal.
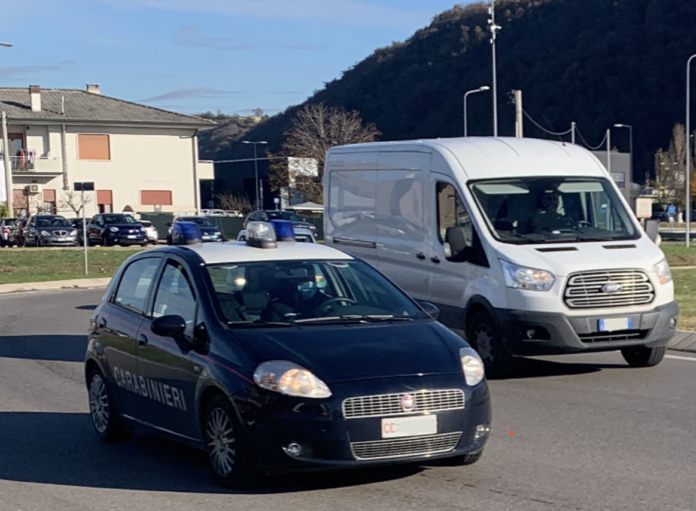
(547, 218)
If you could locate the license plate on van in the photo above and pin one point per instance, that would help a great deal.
(615, 324)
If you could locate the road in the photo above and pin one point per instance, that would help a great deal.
(589, 434)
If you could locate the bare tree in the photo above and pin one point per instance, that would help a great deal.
(670, 169)
(316, 129)
(234, 202)
(73, 201)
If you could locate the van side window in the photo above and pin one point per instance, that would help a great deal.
(456, 229)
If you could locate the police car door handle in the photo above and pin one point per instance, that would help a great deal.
(421, 256)
(142, 340)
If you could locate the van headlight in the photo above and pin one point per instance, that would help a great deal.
(519, 277)
(472, 365)
(290, 379)
(662, 273)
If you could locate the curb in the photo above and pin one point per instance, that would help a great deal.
(54, 285)
(683, 341)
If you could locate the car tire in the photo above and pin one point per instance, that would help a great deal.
(106, 242)
(644, 357)
(463, 459)
(230, 459)
(105, 419)
(169, 240)
(37, 242)
(484, 336)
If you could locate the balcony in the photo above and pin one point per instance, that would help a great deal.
(36, 166)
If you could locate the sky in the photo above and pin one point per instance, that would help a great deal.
(194, 56)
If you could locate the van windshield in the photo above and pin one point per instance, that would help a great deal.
(553, 210)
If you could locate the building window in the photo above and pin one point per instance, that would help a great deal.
(105, 201)
(93, 147)
(49, 202)
(619, 178)
(156, 197)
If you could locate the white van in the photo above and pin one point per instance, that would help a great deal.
(526, 246)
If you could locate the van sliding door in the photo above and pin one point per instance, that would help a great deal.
(402, 248)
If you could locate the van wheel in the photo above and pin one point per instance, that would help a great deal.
(229, 455)
(644, 357)
(484, 337)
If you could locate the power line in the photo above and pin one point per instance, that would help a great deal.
(544, 129)
(588, 145)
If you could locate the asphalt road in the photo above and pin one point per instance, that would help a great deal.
(589, 434)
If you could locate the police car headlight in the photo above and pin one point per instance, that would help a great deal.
(472, 365)
(290, 379)
(113, 229)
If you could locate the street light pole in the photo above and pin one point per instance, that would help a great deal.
(494, 29)
(688, 149)
(6, 158)
(474, 91)
(256, 169)
(630, 145)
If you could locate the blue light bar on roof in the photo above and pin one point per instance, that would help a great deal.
(284, 230)
(186, 233)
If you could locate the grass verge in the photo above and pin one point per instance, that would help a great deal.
(20, 265)
(678, 255)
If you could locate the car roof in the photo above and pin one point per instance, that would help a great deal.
(240, 252)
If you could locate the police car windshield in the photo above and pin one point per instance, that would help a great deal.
(553, 210)
(297, 291)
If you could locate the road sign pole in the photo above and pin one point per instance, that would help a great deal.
(85, 241)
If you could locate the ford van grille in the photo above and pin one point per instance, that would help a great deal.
(382, 405)
(403, 447)
(612, 288)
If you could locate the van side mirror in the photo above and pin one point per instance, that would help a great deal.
(430, 309)
(456, 238)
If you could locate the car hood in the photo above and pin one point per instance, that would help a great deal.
(340, 353)
(125, 226)
(210, 230)
(54, 228)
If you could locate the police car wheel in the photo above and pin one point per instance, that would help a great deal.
(229, 458)
(462, 460)
(484, 337)
(105, 419)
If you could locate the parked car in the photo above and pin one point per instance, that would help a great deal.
(151, 231)
(209, 230)
(77, 224)
(110, 229)
(301, 235)
(16, 236)
(49, 230)
(213, 212)
(663, 216)
(7, 226)
(278, 214)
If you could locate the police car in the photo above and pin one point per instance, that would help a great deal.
(275, 356)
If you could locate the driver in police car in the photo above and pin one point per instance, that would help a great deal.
(305, 299)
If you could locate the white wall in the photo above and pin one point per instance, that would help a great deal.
(141, 159)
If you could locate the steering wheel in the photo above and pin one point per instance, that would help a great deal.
(327, 303)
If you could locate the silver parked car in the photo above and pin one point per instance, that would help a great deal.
(7, 227)
(49, 230)
(151, 231)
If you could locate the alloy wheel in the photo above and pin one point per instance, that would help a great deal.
(483, 337)
(221, 442)
(99, 404)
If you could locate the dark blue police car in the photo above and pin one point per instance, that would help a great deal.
(275, 356)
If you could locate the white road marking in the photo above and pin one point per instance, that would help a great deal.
(675, 357)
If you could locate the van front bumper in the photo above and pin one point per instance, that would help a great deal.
(528, 333)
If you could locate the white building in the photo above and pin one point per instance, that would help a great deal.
(136, 156)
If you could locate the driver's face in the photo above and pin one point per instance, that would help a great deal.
(550, 201)
(307, 289)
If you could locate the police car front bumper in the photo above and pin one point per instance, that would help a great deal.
(306, 434)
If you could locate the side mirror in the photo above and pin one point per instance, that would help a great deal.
(457, 240)
(169, 326)
(430, 309)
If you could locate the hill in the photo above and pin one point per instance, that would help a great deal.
(595, 62)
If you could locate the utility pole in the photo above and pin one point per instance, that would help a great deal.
(8, 169)
(688, 151)
(572, 131)
(609, 150)
(519, 121)
(494, 29)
